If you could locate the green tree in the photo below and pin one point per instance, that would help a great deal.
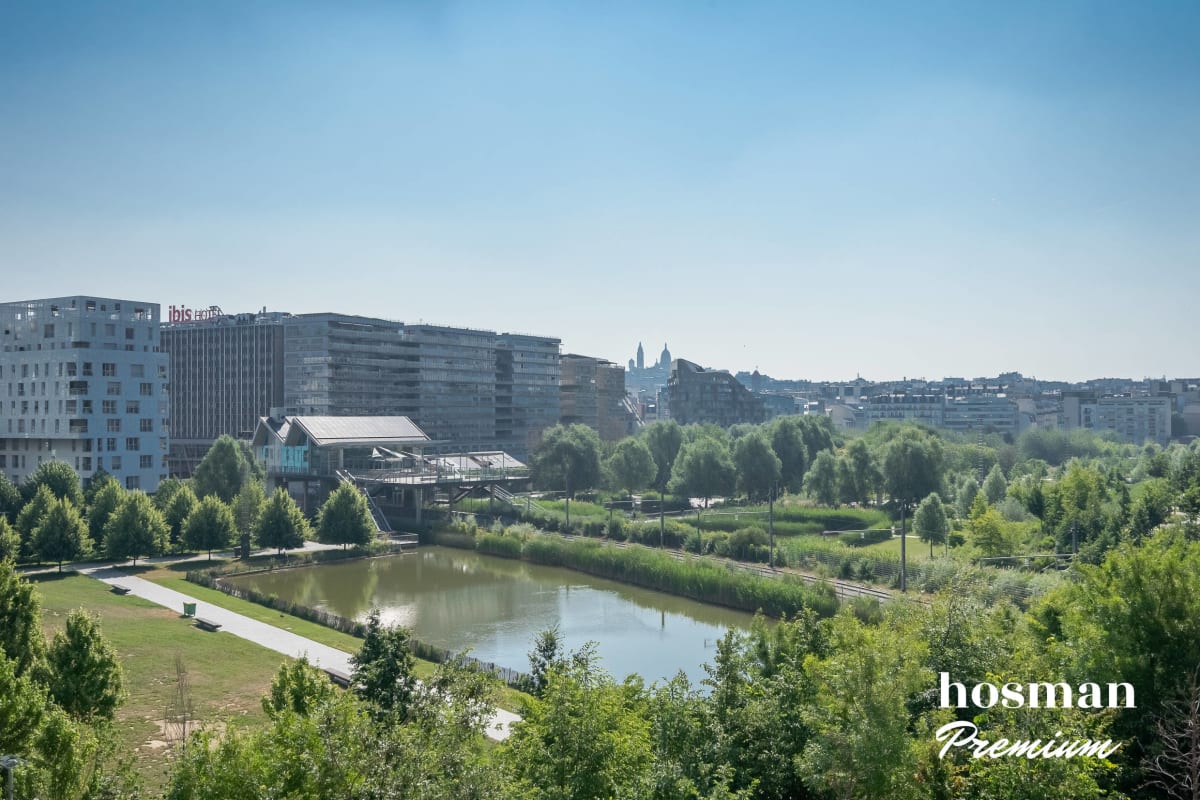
(10, 541)
(758, 468)
(100, 478)
(585, 739)
(165, 492)
(10, 499)
(546, 654)
(994, 485)
(135, 529)
(181, 505)
(104, 501)
(787, 440)
(990, 532)
(298, 687)
(222, 471)
(345, 518)
(868, 480)
(967, 491)
(383, 670)
(567, 458)
(281, 525)
(930, 522)
(31, 517)
(22, 706)
(664, 438)
(62, 534)
(248, 506)
(821, 480)
(85, 674)
(631, 465)
(209, 527)
(703, 469)
(20, 622)
(1151, 509)
(59, 478)
(912, 466)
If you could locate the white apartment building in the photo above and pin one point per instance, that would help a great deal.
(83, 380)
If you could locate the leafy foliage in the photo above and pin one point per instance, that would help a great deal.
(345, 518)
(281, 525)
(85, 676)
(135, 529)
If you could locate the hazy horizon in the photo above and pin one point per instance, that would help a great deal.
(927, 190)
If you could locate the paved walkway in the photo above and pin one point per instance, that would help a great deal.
(277, 639)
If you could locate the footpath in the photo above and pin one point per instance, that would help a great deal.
(277, 639)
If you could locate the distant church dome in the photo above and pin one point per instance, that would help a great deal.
(665, 359)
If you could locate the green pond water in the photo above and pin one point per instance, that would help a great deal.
(459, 599)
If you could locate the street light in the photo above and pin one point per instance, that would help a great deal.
(8, 764)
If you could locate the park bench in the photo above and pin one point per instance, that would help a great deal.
(119, 589)
(207, 624)
(338, 677)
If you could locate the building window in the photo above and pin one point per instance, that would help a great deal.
(131, 481)
(113, 425)
(108, 406)
(146, 425)
(116, 462)
(146, 390)
(109, 370)
(114, 388)
(146, 462)
(131, 444)
(87, 369)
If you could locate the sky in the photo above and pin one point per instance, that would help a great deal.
(816, 190)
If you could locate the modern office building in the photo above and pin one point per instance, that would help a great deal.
(467, 389)
(226, 372)
(697, 395)
(84, 381)
(592, 393)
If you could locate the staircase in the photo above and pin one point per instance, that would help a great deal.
(382, 525)
(519, 503)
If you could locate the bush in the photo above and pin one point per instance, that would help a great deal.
(616, 529)
(499, 545)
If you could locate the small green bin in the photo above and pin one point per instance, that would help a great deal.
(189, 609)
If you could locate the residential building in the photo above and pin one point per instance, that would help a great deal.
(1132, 418)
(697, 395)
(928, 409)
(985, 412)
(84, 381)
(592, 392)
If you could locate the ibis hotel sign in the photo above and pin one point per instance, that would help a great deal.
(185, 314)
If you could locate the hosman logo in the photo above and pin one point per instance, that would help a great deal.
(1028, 695)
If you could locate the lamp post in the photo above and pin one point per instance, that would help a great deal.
(8, 764)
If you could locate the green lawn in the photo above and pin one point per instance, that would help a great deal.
(228, 675)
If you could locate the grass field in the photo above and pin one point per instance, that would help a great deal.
(228, 675)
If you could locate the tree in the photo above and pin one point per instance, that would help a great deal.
(758, 468)
(85, 674)
(22, 706)
(930, 522)
(10, 499)
(165, 492)
(584, 739)
(631, 465)
(10, 541)
(104, 501)
(135, 529)
(209, 527)
(867, 478)
(912, 466)
(787, 440)
(298, 687)
(281, 524)
(703, 469)
(20, 621)
(821, 480)
(59, 478)
(62, 534)
(568, 458)
(31, 517)
(989, 532)
(100, 478)
(181, 505)
(222, 470)
(994, 485)
(248, 506)
(967, 490)
(545, 655)
(664, 439)
(345, 518)
(383, 670)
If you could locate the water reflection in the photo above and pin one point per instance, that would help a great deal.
(495, 607)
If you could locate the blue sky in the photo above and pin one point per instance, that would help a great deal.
(814, 189)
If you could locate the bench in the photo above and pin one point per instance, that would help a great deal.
(119, 589)
(207, 624)
(339, 678)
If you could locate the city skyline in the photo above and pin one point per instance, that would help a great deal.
(933, 190)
